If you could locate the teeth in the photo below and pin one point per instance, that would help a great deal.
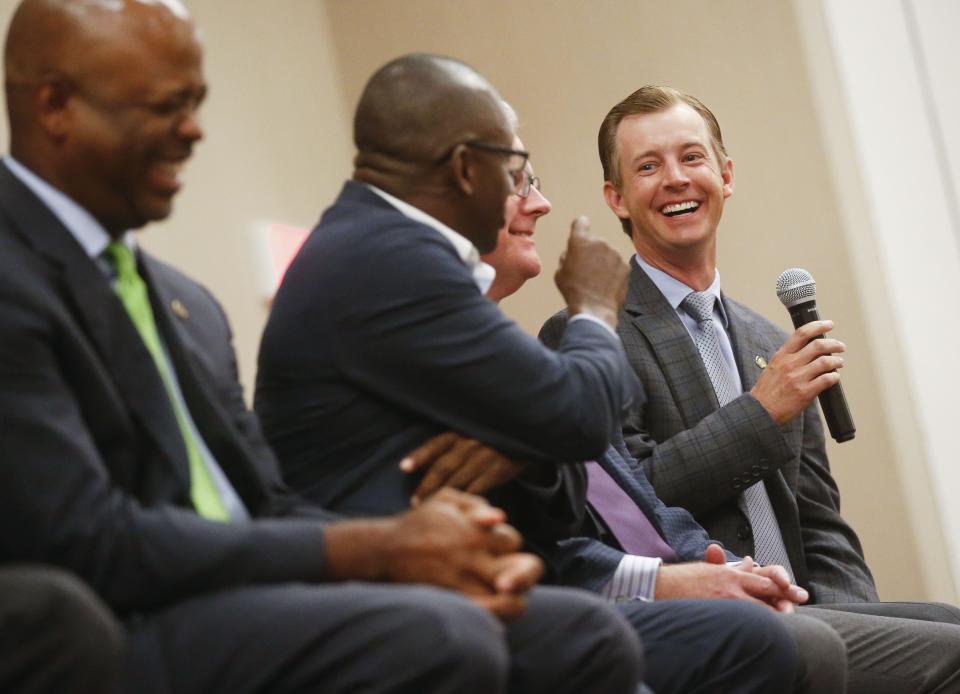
(680, 207)
(171, 169)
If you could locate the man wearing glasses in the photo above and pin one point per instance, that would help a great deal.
(380, 336)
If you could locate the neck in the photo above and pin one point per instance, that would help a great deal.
(697, 269)
(503, 287)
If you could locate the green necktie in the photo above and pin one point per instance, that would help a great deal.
(133, 293)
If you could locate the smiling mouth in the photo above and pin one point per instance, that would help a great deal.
(680, 208)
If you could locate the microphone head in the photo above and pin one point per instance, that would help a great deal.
(796, 286)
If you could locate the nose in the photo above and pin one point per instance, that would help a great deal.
(189, 127)
(674, 175)
(535, 204)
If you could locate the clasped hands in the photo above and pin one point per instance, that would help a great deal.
(714, 578)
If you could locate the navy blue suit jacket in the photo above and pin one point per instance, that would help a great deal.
(379, 339)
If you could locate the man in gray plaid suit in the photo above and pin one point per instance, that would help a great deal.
(729, 429)
(633, 547)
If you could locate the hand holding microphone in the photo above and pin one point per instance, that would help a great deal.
(805, 366)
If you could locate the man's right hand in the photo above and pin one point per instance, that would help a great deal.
(452, 540)
(592, 277)
(800, 370)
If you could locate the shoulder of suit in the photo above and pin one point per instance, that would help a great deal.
(754, 317)
(176, 282)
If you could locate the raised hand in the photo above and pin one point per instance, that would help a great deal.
(801, 369)
(592, 277)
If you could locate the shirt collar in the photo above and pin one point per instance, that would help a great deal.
(483, 274)
(88, 232)
(676, 291)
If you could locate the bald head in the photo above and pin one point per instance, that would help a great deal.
(416, 108)
(52, 35)
(102, 98)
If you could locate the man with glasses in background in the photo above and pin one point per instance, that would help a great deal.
(380, 336)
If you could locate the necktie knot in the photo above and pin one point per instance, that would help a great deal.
(123, 261)
(699, 305)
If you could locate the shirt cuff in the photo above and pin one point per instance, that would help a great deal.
(594, 319)
(634, 579)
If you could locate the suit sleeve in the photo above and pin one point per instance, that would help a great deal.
(62, 507)
(731, 439)
(424, 338)
(837, 570)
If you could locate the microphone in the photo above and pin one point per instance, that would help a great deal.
(798, 292)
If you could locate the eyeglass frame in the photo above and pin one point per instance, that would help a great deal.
(528, 183)
(508, 152)
(520, 185)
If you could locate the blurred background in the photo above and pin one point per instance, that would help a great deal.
(842, 118)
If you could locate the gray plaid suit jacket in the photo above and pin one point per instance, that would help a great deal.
(701, 456)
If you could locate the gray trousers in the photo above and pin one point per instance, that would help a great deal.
(374, 638)
(893, 647)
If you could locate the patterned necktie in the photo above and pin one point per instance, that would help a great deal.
(754, 502)
(133, 293)
(629, 524)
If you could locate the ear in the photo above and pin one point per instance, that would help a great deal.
(726, 173)
(53, 101)
(463, 170)
(615, 201)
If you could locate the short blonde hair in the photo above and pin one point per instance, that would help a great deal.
(649, 99)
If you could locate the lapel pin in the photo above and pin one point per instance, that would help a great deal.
(181, 312)
(761, 362)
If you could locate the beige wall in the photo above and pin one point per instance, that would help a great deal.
(285, 76)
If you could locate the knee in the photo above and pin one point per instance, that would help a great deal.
(822, 655)
(761, 637)
(452, 641)
(63, 618)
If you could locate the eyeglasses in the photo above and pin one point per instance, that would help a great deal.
(515, 166)
(528, 183)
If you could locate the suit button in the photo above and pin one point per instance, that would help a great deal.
(756, 470)
(744, 532)
(737, 484)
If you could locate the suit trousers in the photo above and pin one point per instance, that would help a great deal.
(378, 638)
(895, 654)
(55, 634)
(710, 646)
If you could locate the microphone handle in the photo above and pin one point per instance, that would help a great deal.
(832, 400)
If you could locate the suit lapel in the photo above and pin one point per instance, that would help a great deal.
(197, 386)
(652, 315)
(102, 316)
(751, 348)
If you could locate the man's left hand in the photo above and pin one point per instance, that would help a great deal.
(452, 460)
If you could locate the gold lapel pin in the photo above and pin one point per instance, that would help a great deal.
(180, 311)
(761, 362)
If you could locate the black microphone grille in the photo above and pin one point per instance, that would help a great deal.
(795, 286)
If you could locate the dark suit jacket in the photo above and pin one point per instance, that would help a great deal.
(93, 473)
(701, 456)
(379, 338)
